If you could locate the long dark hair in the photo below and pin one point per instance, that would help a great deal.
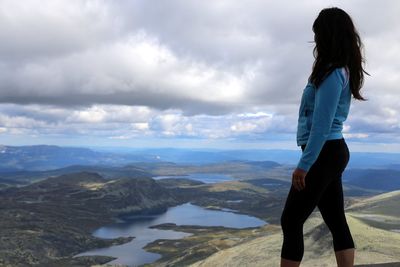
(337, 44)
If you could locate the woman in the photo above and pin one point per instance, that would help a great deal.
(337, 74)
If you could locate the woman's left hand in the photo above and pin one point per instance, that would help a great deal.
(298, 179)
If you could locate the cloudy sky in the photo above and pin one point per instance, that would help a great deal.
(226, 74)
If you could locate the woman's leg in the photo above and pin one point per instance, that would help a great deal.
(332, 210)
(345, 258)
(331, 207)
(299, 205)
(289, 263)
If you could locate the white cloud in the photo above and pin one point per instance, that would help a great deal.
(34, 29)
(219, 69)
(141, 125)
(135, 71)
(358, 135)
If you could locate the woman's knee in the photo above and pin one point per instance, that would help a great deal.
(336, 223)
(285, 220)
(289, 222)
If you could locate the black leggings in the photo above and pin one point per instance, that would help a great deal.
(323, 189)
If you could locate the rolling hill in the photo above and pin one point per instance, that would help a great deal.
(374, 243)
(52, 220)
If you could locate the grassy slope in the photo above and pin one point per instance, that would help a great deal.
(374, 244)
(381, 211)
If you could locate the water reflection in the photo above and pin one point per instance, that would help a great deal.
(132, 253)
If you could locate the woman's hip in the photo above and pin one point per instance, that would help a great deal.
(334, 153)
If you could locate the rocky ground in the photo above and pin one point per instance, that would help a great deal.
(47, 222)
(51, 220)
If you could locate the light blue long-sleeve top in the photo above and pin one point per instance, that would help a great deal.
(321, 114)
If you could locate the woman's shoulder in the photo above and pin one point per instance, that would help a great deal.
(341, 70)
(344, 71)
(342, 74)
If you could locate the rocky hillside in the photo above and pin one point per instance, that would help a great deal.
(371, 220)
(48, 157)
(53, 219)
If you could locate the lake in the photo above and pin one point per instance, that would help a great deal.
(202, 177)
(132, 253)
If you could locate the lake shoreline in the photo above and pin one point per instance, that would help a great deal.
(170, 232)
